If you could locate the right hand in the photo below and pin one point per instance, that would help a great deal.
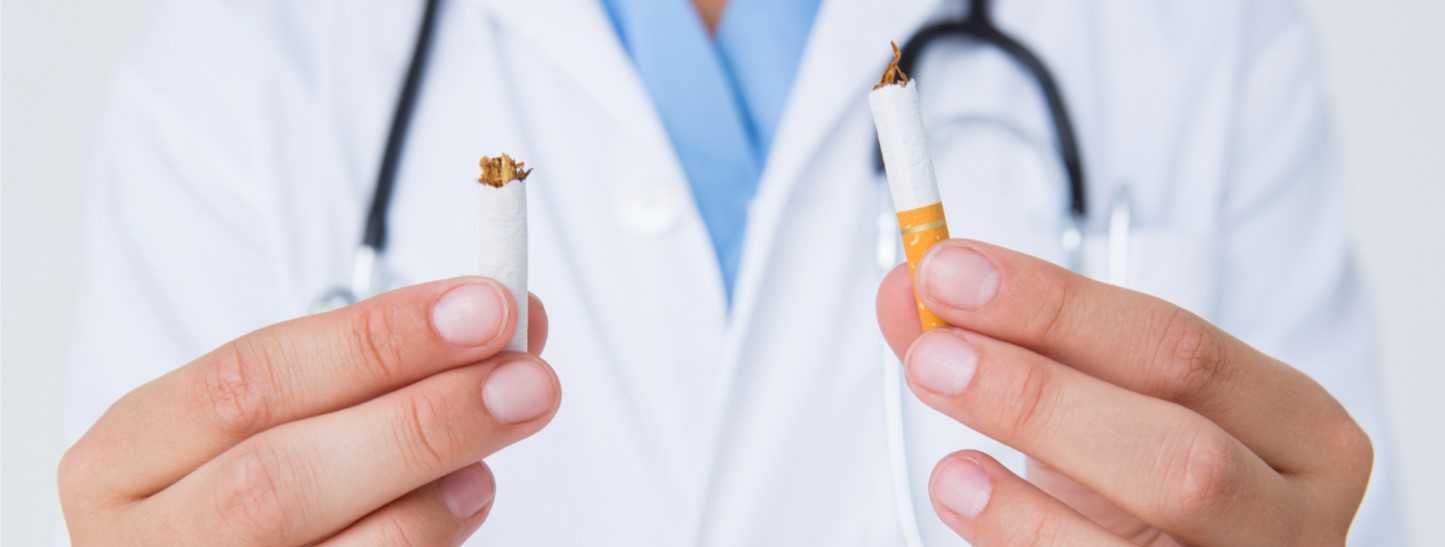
(361, 426)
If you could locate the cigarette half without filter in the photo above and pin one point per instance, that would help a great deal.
(909, 168)
(504, 233)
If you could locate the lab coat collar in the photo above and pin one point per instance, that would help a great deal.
(572, 41)
(847, 46)
(603, 71)
(556, 27)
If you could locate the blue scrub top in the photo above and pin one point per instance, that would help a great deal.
(720, 97)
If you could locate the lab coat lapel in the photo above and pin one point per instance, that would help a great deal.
(554, 30)
(616, 211)
(636, 179)
(845, 52)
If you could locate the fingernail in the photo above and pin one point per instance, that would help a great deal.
(467, 490)
(962, 487)
(471, 314)
(941, 363)
(958, 277)
(517, 391)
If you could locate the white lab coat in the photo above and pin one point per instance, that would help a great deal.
(245, 137)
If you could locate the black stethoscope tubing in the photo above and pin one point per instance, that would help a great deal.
(374, 234)
(977, 25)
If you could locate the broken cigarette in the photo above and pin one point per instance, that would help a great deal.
(504, 233)
(904, 143)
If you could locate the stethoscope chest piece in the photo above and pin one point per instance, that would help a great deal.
(334, 298)
(367, 279)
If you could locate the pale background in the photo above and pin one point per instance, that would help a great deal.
(1384, 60)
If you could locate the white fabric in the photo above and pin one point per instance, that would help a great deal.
(243, 141)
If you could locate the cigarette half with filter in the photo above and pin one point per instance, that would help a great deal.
(504, 233)
(894, 102)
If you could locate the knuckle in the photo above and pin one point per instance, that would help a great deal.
(250, 497)
(1030, 401)
(376, 340)
(1047, 531)
(394, 532)
(1191, 356)
(1050, 318)
(1203, 476)
(1353, 446)
(72, 475)
(237, 387)
(425, 438)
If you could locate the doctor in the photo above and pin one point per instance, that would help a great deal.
(703, 234)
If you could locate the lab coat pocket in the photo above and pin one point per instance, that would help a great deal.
(1175, 266)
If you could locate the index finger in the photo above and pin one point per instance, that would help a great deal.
(312, 365)
(1129, 339)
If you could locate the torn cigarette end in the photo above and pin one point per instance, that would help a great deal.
(500, 170)
(911, 181)
(893, 75)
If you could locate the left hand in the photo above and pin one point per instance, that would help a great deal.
(1143, 424)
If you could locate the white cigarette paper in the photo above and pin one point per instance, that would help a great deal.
(504, 236)
(904, 144)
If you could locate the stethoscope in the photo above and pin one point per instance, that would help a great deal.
(976, 25)
(366, 272)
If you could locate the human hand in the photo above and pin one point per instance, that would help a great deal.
(361, 426)
(1143, 424)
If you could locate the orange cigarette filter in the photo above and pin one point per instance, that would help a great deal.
(921, 229)
(904, 146)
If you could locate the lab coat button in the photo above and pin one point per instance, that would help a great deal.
(648, 207)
